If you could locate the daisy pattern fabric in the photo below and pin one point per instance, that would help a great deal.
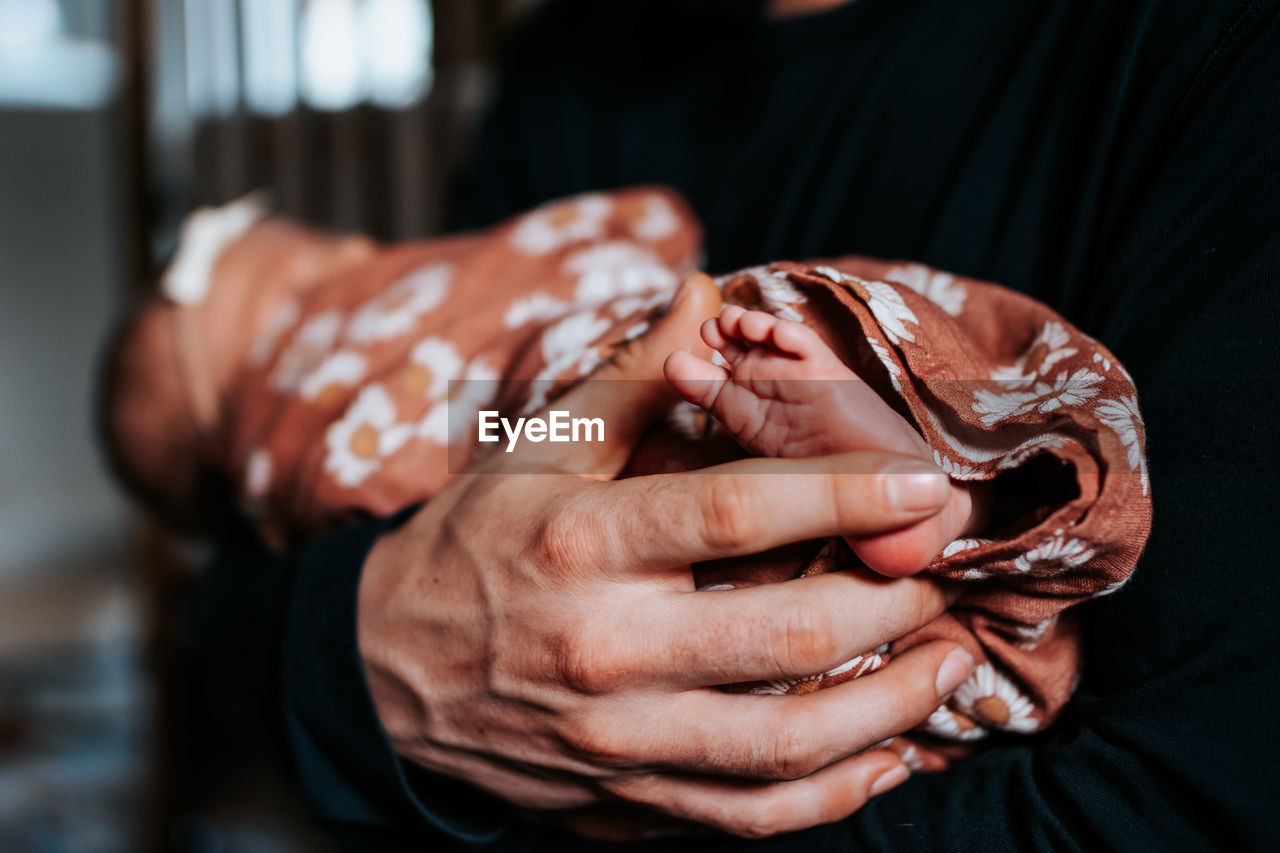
(1005, 391)
(338, 398)
(348, 403)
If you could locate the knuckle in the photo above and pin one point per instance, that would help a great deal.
(790, 751)
(742, 816)
(728, 517)
(755, 826)
(585, 665)
(563, 540)
(910, 606)
(922, 603)
(598, 745)
(808, 642)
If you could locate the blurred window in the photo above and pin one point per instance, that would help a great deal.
(56, 54)
(332, 46)
(398, 37)
(267, 56)
(270, 56)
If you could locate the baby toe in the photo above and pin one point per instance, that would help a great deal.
(757, 326)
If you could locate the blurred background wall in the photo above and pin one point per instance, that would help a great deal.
(116, 118)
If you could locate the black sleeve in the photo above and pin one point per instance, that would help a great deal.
(537, 136)
(276, 660)
(1171, 743)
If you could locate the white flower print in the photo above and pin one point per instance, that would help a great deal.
(1056, 554)
(690, 421)
(539, 390)
(996, 406)
(280, 322)
(432, 364)
(617, 269)
(1122, 416)
(911, 757)
(1111, 588)
(338, 372)
(651, 217)
(945, 724)
(859, 665)
(1043, 397)
(309, 347)
(1029, 636)
(1106, 360)
(940, 288)
(890, 311)
(396, 310)
(627, 305)
(567, 345)
(956, 470)
(435, 426)
(957, 546)
(989, 698)
(777, 687)
(894, 371)
(974, 453)
(886, 304)
(257, 474)
(960, 546)
(366, 435)
(1030, 447)
(205, 236)
(567, 341)
(778, 295)
(454, 417)
(539, 306)
(1047, 349)
(560, 223)
(256, 484)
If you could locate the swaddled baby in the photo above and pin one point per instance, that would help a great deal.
(305, 378)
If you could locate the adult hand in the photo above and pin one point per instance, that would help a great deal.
(538, 635)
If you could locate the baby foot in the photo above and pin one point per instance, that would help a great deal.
(784, 393)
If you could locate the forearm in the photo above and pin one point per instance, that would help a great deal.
(274, 654)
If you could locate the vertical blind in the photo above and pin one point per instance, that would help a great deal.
(352, 113)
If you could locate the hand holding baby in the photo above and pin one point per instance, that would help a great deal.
(530, 634)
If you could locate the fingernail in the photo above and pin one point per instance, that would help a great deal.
(891, 779)
(954, 670)
(915, 486)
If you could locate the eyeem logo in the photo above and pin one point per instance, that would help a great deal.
(560, 427)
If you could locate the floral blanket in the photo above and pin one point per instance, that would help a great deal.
(343, 406)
